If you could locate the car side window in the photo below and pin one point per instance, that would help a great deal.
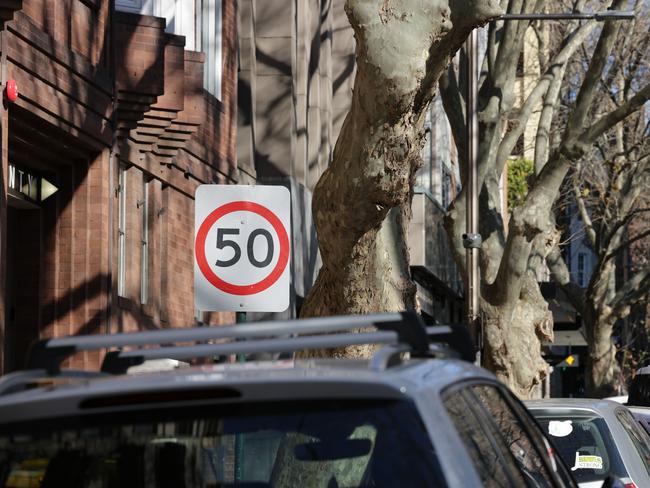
(510, 428)
(491, 458)
(638, 436)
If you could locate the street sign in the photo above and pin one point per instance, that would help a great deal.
(242, 248)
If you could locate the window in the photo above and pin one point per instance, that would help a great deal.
(136, 6)
(515, 436)
(582, 269)
(447, 188)
(144, 243)
(121, 231)
(583, 441)
(210, 28)
(491, 458)
(324, 443)
(198, 20)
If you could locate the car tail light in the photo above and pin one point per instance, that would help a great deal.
(628, 483)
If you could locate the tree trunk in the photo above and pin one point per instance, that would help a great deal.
(513, 337)
(361, 203)
(601, 371)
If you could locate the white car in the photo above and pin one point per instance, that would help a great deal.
(596, 439)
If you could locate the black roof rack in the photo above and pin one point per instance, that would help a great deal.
(404, 332)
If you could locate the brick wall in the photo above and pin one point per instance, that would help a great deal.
(172, 135)
(170, 266)
(80, 26)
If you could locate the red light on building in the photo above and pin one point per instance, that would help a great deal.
(11, 90)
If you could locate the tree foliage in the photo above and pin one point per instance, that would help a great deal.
(519, 171)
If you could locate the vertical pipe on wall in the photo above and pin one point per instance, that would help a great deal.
(472, 240)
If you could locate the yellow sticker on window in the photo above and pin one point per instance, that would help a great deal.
(587, 462)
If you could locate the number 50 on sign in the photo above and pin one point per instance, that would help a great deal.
(242, 248)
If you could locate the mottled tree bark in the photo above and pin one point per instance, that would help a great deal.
(361, 204)
(516, 317)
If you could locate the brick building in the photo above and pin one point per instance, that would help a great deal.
(124, 108)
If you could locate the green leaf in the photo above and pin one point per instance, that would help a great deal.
(519, 170)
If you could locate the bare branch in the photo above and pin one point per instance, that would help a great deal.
(554, 72)
(455, 108)
(632, 290)
(561, 275)
(584, 213)
(590, 84)
(627, 244)
(608, 121)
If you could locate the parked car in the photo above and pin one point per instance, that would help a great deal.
(596, 439)
(639, 394)
(433, 419)
(642, 416)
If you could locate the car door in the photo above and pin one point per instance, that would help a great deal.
(505, 450)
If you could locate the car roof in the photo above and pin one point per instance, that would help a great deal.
(600, 406)
(251, 381)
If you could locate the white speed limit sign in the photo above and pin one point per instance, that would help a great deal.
(242, 248)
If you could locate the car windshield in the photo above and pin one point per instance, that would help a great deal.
(584, 442)
(338, 444)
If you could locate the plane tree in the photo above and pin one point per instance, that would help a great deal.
(516, 243)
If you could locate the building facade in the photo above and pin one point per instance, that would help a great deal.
(123, 109)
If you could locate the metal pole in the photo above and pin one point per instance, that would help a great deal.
(240, 318)
(472, 239)
(599, 16)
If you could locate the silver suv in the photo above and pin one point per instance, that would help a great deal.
(419, 413)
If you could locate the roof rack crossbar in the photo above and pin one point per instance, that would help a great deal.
(49, 353)
(117, 362)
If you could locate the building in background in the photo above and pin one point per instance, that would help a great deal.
(124, 108)
(439, 283)
(296, 68)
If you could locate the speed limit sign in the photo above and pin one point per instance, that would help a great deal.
(242, 248)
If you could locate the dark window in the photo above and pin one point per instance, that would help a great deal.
(492, 459)
(640, 390)
(521, 446)
(299, 444)
(584, 442)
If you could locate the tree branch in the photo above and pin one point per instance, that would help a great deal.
(586, 218)
(627, 243)
(590, 83)
(455, 108)
(561, 275)
(609, 120)
(554, 72)
(632, 290)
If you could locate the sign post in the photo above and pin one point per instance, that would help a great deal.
(242, 248)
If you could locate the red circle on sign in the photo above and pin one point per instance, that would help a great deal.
(202, 234)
